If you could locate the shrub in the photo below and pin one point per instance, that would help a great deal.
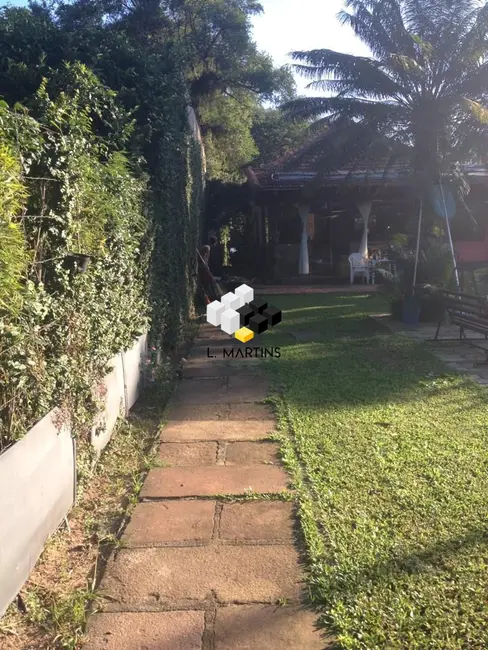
(71, 191)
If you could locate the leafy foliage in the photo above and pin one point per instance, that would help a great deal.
(229, 144)
(13, 253)
(85, 195)
(134, 48)
(275, 136)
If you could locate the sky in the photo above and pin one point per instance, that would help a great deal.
(289, 25)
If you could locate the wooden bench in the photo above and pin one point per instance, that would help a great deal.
(468, 312)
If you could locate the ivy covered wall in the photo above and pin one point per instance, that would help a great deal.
(99, 222)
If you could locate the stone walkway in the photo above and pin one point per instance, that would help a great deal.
(460, 356)
(197, 571)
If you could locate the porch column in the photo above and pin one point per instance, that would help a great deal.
(303, 267)
(364, 211)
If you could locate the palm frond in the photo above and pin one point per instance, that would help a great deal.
(468, 141)
(425, 84)
(386, 41)
(328, 60)
(407, 64)
(419, 16)
(306, 108)
(350, 88)
(362, 73)
(351, 108)
(389, 13)
(462, 53)
(477, 22)
(379, 25)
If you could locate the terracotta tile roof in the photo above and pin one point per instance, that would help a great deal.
(298, 167)
(377, 165)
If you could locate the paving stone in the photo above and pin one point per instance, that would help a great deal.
(206, 369)
(245, 363)
(179, 577)
(218, 430)
(261, 627)
(188, 453)
(199, 358)
(170, 521)
(217, 340)
(207, 481)
(223, 411)
(197, 412)
(250, 412)
(146, 631)
(199, 352)
(247, 389)
(208, 391)
(210, 332)
(257, 520)
(169, 560)
(252, 453)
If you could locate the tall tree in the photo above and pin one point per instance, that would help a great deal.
(424, 85)
(228, 76)
(226, 127)
(135, 46)
(276, 136)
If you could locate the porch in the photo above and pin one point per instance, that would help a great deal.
(306, 223)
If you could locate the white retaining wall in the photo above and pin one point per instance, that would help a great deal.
(114, 407)
(37, 489)
(38, 474)
(132, 361)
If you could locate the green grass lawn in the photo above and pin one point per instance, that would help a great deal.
(389, 453)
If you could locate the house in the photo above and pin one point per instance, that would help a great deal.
(309, 217)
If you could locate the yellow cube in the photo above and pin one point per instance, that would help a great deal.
(244, 335)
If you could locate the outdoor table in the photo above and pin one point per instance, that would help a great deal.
(383, 262)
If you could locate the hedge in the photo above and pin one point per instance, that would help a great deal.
(66, 191)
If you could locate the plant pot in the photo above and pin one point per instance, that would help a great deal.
(79, 261)
(83, 262)
(411, 311)
(396, 309)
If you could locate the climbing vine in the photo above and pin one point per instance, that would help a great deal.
(96, 246)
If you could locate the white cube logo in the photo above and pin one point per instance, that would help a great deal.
(214, 313)
(231, 301)
(246, 293)
(231, 321)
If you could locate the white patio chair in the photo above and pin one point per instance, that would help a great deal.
(359, 266)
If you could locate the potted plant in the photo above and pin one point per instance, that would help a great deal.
(404, 303)
(431, 304)
(411, 307)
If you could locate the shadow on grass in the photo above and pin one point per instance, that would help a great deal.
(396, 574)
(377, 371)
(333, 353)
(348, 389)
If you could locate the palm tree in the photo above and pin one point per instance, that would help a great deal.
(425, 84)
